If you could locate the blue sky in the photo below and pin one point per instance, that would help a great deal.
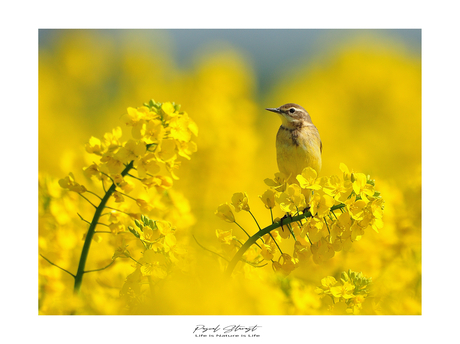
(266, 50)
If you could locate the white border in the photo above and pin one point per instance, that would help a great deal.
(440, 167)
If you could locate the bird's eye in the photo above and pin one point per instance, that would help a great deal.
(291, 110)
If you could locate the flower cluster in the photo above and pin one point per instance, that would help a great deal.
(352, 289)
(160, 135)
(230, 243)
(158, 236)
(69, 183)
(324, 215)
(161, 252)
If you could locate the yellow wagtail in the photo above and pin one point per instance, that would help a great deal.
(298, 144)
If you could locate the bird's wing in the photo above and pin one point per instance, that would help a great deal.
(321, 146)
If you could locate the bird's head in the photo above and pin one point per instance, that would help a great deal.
(291, 114)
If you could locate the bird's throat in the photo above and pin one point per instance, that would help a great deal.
(293, 133)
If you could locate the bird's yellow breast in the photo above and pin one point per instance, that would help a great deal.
(297, 149)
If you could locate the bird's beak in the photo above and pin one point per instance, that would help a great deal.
(275, 110)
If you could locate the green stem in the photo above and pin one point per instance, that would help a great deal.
(275, 242)
(87, 200)
(113, 261)
(94, 194)
(290, 230)
(49, 261)
(257, 223)
(91, 230)
(327, 226)
(204, 248)
(135, 260)
(242, 229)
(248, 233)
(237, 257)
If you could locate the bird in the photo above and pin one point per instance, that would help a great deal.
(298, 144)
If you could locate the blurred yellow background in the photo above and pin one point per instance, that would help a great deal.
(362, 89)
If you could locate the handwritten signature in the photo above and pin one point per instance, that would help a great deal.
(226, 329)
